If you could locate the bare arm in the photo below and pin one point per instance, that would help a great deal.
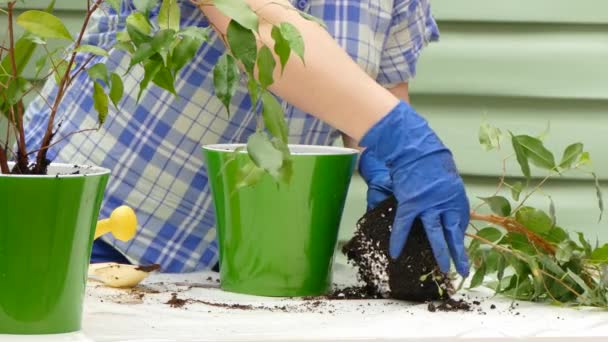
(331, 86)
(401, 91)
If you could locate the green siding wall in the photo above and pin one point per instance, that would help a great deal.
(520, 64)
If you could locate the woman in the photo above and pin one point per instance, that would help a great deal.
(354, 81)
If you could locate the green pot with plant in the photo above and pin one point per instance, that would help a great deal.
(47, 223)
(278, 238)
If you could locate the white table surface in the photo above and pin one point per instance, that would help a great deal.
(121, 315)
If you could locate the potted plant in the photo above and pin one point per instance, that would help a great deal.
(48, 211)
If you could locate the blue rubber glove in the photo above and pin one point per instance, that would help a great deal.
(425, 183)
(377, 178)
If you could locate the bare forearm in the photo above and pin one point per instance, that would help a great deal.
(329, 85)
(401, 91)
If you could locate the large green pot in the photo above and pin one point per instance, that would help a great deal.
(276, 239)
(47, 225)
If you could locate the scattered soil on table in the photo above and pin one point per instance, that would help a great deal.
(451, 305)
(148, 268)
(175, 302)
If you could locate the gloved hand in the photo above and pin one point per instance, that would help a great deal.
(425, 183)
(377, 178)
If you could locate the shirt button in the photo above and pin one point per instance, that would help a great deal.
(302, 4)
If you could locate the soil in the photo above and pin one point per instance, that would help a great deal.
(148, 268)
(413, 276)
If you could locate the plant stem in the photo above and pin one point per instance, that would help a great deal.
(41, 160)
(513, 226)
(22, 159)
(507, 250)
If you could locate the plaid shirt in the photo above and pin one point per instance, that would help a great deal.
(154, 148)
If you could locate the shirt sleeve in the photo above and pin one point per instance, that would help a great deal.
(412, 28)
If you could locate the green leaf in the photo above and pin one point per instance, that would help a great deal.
(499, 205)
(564, 251)
(266, 65)
(60, 69)
(600, 254)
(516, 190)
(115, 4)
(490, 233)
(551, 265)
(556, 235)
(537, 277)
(571, 154)
(521, 155)
(184, 52)
(43, 24)
(139, 22)
(536, 151)
(598, 194)
(552, 212)
(254, 91)
(145, 6)
(169, 15)
(264, 154)
(238, 11)
(584, 243)
(96, 50)
(15, 90)
(519, 242)
(500, 270)
(125, 46)
(478, 276)
(144, 52)
(585, 159)
(100, 102)
(201, 34)
(281, 46)
(243, 45)
(151, 68)
(489, 136)
(291, 34)
(225, 79)
(579, 281)
(98, 72)
(274, 119)
(117, 89)
(534, 219)
(164, 79)
(249, 175)
(162, 42)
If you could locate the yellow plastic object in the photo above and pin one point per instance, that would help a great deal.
(122, 224)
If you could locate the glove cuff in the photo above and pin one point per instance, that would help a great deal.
(402, 136)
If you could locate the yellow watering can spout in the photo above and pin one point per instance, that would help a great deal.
(122, 224)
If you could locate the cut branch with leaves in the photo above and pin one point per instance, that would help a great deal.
(528, 254)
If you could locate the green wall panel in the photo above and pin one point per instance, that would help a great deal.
(546, 11)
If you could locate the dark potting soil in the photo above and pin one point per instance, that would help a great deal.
(148, 268)
(413, 276)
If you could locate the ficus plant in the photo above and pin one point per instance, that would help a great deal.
(161, 47)
(521, 251)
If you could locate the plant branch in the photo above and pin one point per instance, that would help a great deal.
(512, 225)
(510, 251)
(22, 159)
(65, 137)
(65, 81)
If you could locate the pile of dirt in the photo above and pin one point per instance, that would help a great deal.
(413, 276)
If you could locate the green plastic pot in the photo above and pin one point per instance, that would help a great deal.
(277, 239)
(47, 225)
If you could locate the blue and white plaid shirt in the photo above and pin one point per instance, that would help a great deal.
(154, 148)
